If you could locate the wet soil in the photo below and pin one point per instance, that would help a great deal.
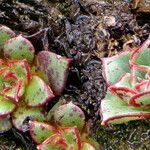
(85, 30)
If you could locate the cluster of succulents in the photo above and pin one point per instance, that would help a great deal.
(28, 82)
(61, 138)
(128, 79)
(65, 130)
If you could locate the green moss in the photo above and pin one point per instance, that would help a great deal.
(130, 136)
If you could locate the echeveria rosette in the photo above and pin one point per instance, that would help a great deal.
(61, 133)
(128, 79)
(27, 83)
(59, 138)
(23, 88)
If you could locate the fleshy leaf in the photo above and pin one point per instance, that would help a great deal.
(19, 48)
(56, 68)
(124, 93)
(5, 124)
(123, 87)
(5, 34)
(50, 115)
(125, 81)
(24, 112)
(141, 99)
(40, 131)
(69, 115)
(10, 86)
(38, 92)
(87, 146)
(141, 56)
(138, 71)
(142, 86)
(55, 142)
(115, 111)
(16, 91)
(72, 137)
(35, 71)
(6, 106)
(115, 67)
(139, 60)
(21, 69)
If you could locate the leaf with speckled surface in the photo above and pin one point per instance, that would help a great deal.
(38, 92)
(19, 48)
(56, 68)
(5, 34)
(69, 115)
(40, 131)
(23, 112)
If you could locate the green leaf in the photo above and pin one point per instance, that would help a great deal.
(123, 88)
(40, 131)
(142, 86)
(87, 146)
(141, 100)
(125, 81)
(114, 111)
(140, 60)
(115, 67)
(23, 112)
(16, 91)
(5, 34)
(5, 124)
(142, 55)
(55, 142)
(6, 106)
(69, 115)
(56, 68)
(72, 137)
(21, 69)
(38, 92)
(50, 115)
(19, 48)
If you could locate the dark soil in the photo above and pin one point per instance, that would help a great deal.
(85, 30)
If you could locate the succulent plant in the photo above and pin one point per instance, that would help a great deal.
(27, 81)
(60, 138)
(128, 78)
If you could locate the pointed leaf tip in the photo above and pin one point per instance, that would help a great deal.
(55, 142)
(72, 137)
(56, 68)
(116, 66)
(40, 131)
(140, 100)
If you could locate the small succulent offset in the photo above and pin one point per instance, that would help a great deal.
(29, 81)
(128, 78)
